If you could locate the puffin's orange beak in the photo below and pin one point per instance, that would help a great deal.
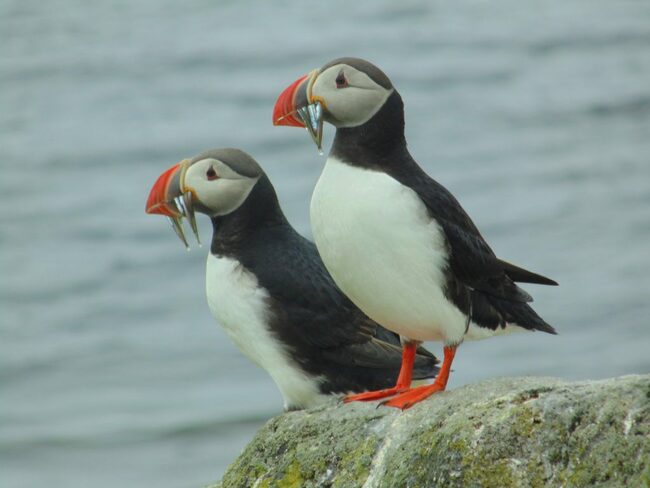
(167, 197)
(296, 106)
(284, 112)
(160, 200)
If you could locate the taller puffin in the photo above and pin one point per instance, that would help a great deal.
(395, 241)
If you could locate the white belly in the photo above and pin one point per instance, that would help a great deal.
(240, 305)
(384, 251)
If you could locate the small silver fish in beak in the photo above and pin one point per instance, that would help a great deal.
(312, 117)
(178, 229)
(189, 213)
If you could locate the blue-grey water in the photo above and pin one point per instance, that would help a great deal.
(112, 370)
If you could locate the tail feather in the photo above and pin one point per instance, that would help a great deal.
(520, 314)
(521, 275)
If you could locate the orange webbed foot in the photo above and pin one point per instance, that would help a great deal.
(414, 395)
(369, 396)
(403, 380)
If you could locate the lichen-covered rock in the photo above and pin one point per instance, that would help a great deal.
(499, 433)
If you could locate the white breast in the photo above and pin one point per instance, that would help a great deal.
(240, 305)
(385, 252)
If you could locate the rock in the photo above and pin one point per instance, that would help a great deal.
(505, 432)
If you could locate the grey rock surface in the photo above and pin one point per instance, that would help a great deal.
(498, 433)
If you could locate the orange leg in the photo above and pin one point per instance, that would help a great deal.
(414, 395)
(403, 380)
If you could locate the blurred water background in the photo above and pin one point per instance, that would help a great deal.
(112, 370)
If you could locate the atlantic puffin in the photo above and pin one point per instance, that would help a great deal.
(396, 241)
(268, 288)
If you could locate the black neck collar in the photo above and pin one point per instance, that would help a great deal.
(378, 143)
(261, 211)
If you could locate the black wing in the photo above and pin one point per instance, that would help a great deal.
(471, 259)
(479, 281)
(311, 311)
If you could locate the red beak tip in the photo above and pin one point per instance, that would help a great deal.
(280, 119)
(285, 106)
(151, 209)
(157, 200)
(162, 208)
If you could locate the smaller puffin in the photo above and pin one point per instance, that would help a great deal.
(396, 241)
(267, 286)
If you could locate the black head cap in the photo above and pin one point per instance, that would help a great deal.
(374, 73)
(239, 161)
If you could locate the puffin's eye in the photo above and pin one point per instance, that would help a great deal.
(211, 174)
(341, 80)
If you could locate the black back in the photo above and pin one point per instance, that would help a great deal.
(478, 283)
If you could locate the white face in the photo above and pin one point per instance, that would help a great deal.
(217, 186)
(350, 97)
